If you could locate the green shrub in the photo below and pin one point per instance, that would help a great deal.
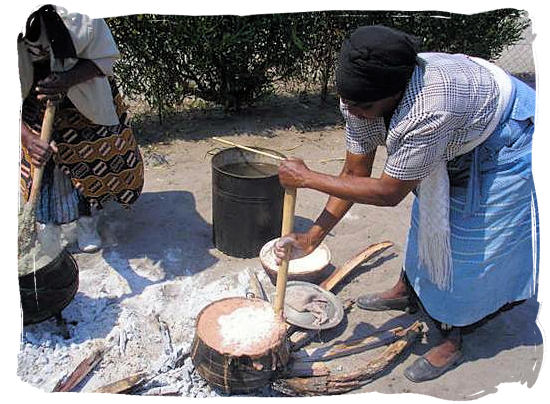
(484, 35)
(229, 60)
(233, 61)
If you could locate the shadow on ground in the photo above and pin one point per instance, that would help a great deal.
(163, 228)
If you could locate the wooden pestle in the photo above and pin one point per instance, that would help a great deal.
(289, 204)
(46, 136)
(27, 232)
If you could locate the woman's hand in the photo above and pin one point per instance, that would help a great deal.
(55, 86)
(39, 151)
(293, 173)
(292, 246)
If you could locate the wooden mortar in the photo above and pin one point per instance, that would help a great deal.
(229, 368)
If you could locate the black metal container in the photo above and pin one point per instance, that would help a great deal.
(46, 292)
(247, 205)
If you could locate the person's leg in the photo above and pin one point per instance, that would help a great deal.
(447, 353)
(440, 358)
(86, 226)
(398, 297)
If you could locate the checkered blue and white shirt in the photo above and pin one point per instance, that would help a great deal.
(449, 101)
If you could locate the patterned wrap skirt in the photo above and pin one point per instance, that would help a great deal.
(494, 224)
(94, 163)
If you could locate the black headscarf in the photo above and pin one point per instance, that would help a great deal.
(375, 62)
(56, 31)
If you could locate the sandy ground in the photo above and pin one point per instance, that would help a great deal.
(158, 266)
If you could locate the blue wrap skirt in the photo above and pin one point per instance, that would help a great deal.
(493, 220)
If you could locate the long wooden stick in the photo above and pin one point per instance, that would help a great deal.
(250, 149)
(27, 234)
(46, 136)
(80, 372)
(349, 347)
(123, 385)
(289, 204)
(368, 253)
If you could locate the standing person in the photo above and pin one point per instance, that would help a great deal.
(458, 134)
(67, 58)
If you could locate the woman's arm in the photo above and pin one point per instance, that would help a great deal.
(383, 191)
(356, 165)
(303, 243)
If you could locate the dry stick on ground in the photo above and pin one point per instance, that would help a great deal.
(81, 371)
(123, 385)
(349, 347)
(344, 382)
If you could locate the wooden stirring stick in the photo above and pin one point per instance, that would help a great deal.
(250, 149)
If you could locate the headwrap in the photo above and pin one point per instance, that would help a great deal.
(70, 36)
(56, 31)
(374, 63)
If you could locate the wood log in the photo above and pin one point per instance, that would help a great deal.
(123, 385)
(339, 274)
(348, 347)
(338, 383)
(81, 371)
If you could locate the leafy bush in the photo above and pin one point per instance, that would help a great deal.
(484, 35)
(233, 61)
(228, 60)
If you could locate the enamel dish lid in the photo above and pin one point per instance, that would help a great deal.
(332, 307)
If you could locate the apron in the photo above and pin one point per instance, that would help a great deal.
(493, 222)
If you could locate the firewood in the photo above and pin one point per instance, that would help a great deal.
(339, 274)
(123, 385)
(80, 372)
(344, 382)
(349, 347)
